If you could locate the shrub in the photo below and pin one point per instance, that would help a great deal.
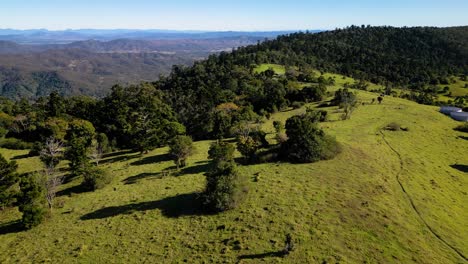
(393, 127)
(221, 151)
(224, 188)
(180, 148)
(14, 143)
(248, 146)
(307, 142)
(8, 178)
(463, 127)
(31, 201)
(94, 178)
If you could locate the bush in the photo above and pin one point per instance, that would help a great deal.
(393, 127)
(225, 188)
(31, 201)
(14, 143)
(180, 148)
(463, 127)
(221, 151)
(8, 178)
(307, 142)
(94, 178)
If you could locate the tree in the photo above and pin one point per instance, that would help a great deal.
(31, 201)
(138, 117)
(100, 147)
(307, 142)
(79, 138)
(225, 188)
(55, 104)
(50, 155)
(94, 178)
(180, 148)
(8, 178)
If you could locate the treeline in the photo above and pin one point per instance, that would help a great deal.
(403, 56)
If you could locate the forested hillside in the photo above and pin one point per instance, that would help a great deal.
(378, 54)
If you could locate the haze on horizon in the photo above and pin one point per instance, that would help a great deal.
(242, 15)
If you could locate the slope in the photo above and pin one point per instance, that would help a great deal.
(351, 209)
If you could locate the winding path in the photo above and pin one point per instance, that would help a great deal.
(408, 197)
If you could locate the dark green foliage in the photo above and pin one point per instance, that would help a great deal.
(221, 152)
(463, 127)
(248, 147)
(180, 148)
(138, 118)
(103, 143)
(344, 97)
(8, 178)
(94, 178)
(55, 105)
(386, 54)
(225, 188)
(31, 201)
(79, 138)
(317, 115)
(306, 141)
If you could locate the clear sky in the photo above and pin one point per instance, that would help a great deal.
(228, 15)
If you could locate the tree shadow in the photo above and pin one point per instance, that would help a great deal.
(152, 159)
(18, 157)
(463, 137)
(77, 189)
(176, 206)
(119, 158)
(118, 153)
(272, 254)
(460, 167)
(201, 168)
(11, 227)
(141, 176)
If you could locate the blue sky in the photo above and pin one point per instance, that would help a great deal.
(228, 15)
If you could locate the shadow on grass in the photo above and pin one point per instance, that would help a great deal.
(272, 254)
(462, 168)
(77, 189)
(11, 227)
(119, 158)
(18, 157)
(118, 153)
(201, 168)
(463, 137)
(152, 159)
(176, 206)
(142, 176)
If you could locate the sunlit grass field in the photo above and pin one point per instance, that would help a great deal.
(350, 209)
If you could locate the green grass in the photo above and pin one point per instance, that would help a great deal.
(278, 69)
(457, 88)
(350, 209)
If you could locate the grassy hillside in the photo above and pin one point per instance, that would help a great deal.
(389, 197)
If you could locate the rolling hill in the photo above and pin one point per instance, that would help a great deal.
(388, 197)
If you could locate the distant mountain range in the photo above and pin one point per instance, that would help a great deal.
(44, 36)
(36, 62)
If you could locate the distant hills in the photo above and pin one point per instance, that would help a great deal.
(35, 62)
(44, 36)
